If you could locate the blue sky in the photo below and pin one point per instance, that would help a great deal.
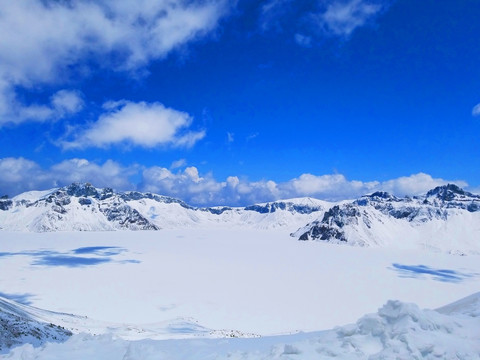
(221, 102)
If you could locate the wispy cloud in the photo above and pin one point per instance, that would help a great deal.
(476, 110)
(202, 189)
(44, 42)
(272, 12)
(303, 40)
(141, 124)
(252, 136)
(343, 17)
(178, 164)
(309, 20)
(62, 104)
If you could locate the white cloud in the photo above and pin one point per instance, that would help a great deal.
(416, 184)
(142, 124)
(230, 137)
(19, 175)
(202, 190)
(62, 103)
(343, 17)
(178, 164)
(307, 20)
(476, 110)
(67, 102)
(108, 174)
(44, 40)
(197, 190)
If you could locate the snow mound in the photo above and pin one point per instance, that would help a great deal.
(397, 331)
(469, 306)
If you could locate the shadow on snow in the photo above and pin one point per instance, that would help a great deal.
(19, 298)
(422, 271)
(98, 255)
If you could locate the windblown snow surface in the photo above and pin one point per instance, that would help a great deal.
(182, 294)
(397, 331)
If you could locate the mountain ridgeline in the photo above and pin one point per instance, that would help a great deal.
(444, 215)
(84, 207)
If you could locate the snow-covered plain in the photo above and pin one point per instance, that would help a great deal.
(130, 284)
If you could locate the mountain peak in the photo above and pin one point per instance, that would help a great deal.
(448, 192)
(78, 189)
(380, 195)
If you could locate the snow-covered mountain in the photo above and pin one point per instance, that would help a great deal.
(447, 218)
(84, 207)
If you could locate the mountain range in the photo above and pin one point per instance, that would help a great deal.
(446, 218)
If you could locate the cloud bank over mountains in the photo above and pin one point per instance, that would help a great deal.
(186, 183)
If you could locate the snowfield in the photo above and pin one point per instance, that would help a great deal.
(173, 284)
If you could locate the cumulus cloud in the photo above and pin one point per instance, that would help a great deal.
(343, 17)
(476, 110)
(205, 190)
(142, 124)
(19, 175)
(44, 40)
(108, 174)
(202, 189)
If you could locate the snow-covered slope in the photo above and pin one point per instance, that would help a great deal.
(397, 331)
(23, 324)
(447, 218)
(84, 207)
(20, 324)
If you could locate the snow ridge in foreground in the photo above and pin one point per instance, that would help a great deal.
(397, 331)
(22, 324)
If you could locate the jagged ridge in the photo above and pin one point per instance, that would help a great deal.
(376, 218)
(84, 207)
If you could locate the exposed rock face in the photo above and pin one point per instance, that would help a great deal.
(80, 207)
(283, 205)
(18, 327)
(330, 227)
(5, 204)
(374, 218)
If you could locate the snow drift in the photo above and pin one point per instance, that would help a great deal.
(397, 331)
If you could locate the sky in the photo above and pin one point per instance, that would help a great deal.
(221, 102)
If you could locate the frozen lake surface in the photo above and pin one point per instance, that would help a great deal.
(254, 281)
